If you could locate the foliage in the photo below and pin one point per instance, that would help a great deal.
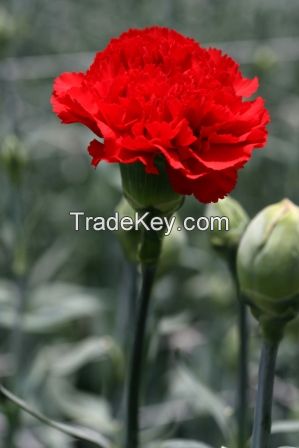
(71, 286)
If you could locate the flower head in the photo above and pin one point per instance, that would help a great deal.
(155, 93)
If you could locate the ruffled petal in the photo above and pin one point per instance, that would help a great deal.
(156, 93)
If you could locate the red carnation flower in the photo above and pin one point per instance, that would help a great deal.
(155, 92)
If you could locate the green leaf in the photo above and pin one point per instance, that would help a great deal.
(8, 294)
(50, 262)
(285, 426)
(41, 436)
(90, 350)
(202, 399)
(71, 430)
(52, 306)
(81, 407)
(65, 359)
(179, 443)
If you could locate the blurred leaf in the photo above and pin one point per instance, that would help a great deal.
(90, 350)
(179, 443)
(285, 426)
(41, 436)
(8, 295)
(149, 436)
(84, 408)
(53, 306)
(71, 430)
(62, 359)
(165, 413)
(202, 399)
(172, 324)
(50, 262)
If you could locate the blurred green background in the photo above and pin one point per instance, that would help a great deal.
(63, 294)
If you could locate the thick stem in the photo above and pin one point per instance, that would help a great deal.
(135, 368)
(127, 305)
(263, 409)
(125, 320)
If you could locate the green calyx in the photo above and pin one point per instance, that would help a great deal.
(222, 240)
(147, 247)
(273, 324)
(149, 191)
(268, 262)
(139, 246)
(129, 239)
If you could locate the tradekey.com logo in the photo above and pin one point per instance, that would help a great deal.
(147, 222)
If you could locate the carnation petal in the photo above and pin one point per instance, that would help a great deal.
(155, 92)
(246, 87)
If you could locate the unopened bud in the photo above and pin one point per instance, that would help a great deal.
(13, 157)
(226, 241)
(173, 247)
(268, 261)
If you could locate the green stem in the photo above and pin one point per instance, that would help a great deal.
(17, 349)
(127, 304)
(135, 369)
(17, 339)
(243, 375)
(263, 409)
(17, 334)
(243, 433)
(124, 324)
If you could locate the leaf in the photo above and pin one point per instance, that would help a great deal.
(52, 306)
(64, 359)
(50, 262)
(78, 432)
(285, 426)
(179, 443)
(81, 407)
(202, 399)
(41, 436)
(90, 350)
(8, 294)
(165, 413)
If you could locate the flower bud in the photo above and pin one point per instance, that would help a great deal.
(13, 158)
(173, 247)
(7, 28)
(149, 191)
(268, 261)
(227, 241)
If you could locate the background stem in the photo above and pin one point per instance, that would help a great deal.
(135, 368)
(243, 432)
(263, 409)
(17, 332)
(243, 375)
